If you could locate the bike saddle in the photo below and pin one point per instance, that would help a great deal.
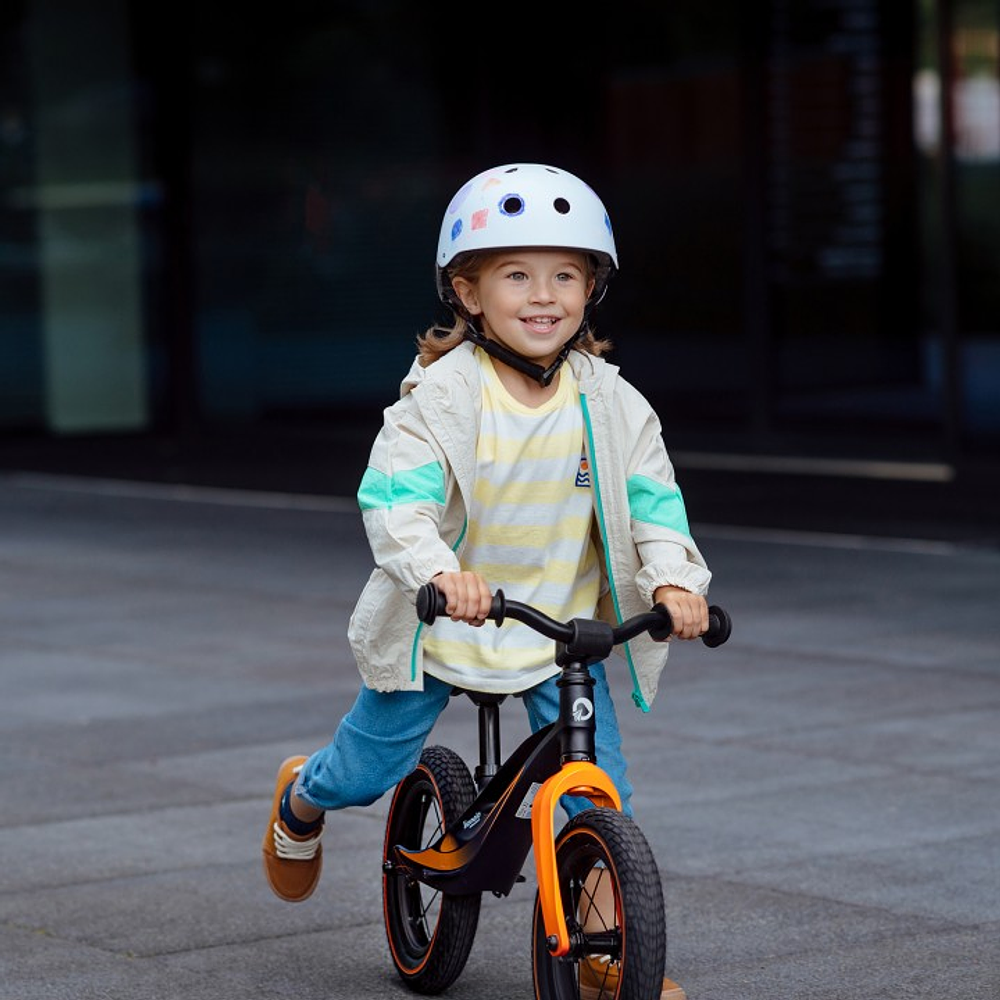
(479, 697)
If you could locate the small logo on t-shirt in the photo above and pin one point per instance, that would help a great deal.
(583, 473)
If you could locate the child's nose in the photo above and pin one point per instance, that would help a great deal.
(542, 291)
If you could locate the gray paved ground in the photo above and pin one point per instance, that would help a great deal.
(821, 794)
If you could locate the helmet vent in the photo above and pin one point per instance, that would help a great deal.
(512, 204)
(561, 205)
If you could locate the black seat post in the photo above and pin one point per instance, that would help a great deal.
(489, 743)
(489, 736)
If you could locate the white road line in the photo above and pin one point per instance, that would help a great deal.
(232, 497)
(825, 539)
(928, 472)
(180, 493)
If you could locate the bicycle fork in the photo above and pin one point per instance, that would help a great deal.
(578, 775)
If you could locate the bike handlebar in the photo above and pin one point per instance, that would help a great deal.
(431, 603)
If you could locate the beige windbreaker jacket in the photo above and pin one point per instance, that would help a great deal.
(416, 492)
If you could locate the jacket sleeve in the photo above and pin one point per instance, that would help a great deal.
(402, 497)
(667, 552)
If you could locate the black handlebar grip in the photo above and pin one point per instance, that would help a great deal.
(663, 630)
(498, 610)
(720, 626)
(430, 603)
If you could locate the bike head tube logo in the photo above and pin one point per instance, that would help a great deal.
(583, 709)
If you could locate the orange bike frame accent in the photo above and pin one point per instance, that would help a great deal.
(574, 778)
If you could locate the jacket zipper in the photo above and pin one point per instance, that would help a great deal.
(599, 507)
(420, 627)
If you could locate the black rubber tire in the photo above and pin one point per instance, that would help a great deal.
(604, 844)
(430, 933)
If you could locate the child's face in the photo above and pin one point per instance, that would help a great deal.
(532, 301)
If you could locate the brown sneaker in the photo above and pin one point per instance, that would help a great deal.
(599, 981)
(291, 863)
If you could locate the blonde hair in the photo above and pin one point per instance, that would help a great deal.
(436, 341)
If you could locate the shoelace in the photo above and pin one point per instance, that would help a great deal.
(295, 850)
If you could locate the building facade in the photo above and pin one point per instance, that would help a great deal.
(218, 218)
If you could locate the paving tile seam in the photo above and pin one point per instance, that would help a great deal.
(988, 834)
(55, 936)
(338, 924)
(238, 942)
(747, 877)
(680, 801)
(777, 744)
(783, 731)
(935, 925)
(41, 888)
(869, 656)
(712, 974)
(285, 705)
(369, 814)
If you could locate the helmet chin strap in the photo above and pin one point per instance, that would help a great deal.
(543, 376)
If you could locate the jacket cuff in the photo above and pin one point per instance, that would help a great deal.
(688, 576)
(423, 572)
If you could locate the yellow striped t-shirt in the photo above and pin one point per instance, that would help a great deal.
(529, 534)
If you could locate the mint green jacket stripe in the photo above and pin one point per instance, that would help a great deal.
(422, 485)
(659, 504)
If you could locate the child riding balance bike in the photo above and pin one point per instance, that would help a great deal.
(516, 459)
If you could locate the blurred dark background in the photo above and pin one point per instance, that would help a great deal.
(217, 228)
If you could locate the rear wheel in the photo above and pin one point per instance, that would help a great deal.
(613, 901)
(430, 932)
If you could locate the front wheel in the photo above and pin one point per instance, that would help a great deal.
(613, 902)
(430, 932)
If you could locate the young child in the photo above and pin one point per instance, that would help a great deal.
(516, 458)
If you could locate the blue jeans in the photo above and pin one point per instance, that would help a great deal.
(379, 741)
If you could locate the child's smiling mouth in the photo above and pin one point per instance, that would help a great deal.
(540, 324)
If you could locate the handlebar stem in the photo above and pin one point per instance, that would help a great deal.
(590, 642)
(576, 713)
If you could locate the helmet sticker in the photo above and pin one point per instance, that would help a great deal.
(456, 202)
(456, 230)
(480, 218)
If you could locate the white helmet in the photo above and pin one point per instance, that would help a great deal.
(526, 205)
